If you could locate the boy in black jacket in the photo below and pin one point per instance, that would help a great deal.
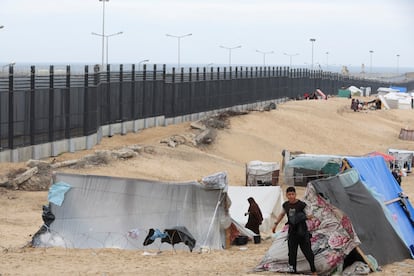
(298, 234)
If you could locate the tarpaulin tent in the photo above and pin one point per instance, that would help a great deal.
(259, 173)
(376, 176)
(333, 238)
(111, 212)
(346, 217)
(303, 168)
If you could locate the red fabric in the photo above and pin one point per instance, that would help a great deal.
(387, 157)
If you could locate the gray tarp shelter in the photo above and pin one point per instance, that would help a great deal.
(110, 212)
(377, 235)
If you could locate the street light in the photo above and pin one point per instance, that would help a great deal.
(178, 37)
(264, 55)
(230, 49)
(290, 58)
(313, 41)
(142, 61)
(398, 63)
(327, 60)
(370, 61)
(107, 44)
(103, 31)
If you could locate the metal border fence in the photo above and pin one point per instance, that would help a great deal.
(38, 107)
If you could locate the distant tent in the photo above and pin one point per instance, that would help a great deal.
(318, 94)
(399, 88)
(259, 173)
(112, 212)
(403, 158)
(406, 134)
(303, 168)
(344, 93)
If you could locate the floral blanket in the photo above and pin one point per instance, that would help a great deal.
(333, 237)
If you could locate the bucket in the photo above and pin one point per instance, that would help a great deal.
(257, 239)
(240, 240)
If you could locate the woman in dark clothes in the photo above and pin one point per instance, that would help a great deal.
(255, 216)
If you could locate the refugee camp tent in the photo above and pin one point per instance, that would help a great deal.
(399, 88)
(406, 134)
(344, 93)
(403, 158)
(347, 218)
(318, 94)
(303, 168)
(259, 173)
(355, 91)
(269, 199)
(333, 238)
(376, 176)
(90, 211)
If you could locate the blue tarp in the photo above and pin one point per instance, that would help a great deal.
(377, 177)
(399, 88)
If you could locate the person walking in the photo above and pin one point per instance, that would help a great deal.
(298, 234)
(255, 216)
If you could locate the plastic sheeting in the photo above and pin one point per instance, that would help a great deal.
(333, 237)
(111, 212)
(377, 177)
(347, 193)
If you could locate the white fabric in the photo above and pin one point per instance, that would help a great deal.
(269, 199)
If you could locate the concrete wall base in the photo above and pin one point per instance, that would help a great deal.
(88, 142)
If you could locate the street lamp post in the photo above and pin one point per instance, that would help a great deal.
(313, 41)
(107, 44)
(142, 61)
(264, 55)
(290, 58)
(370, 61)
(327, 60)
(178, 37)
(230, 49)
(103, 31)
(398, 64)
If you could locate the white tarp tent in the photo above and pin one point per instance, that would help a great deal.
(269, 199)
(259, 173)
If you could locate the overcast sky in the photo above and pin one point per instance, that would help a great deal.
(59, 31)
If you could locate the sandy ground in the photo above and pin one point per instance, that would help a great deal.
(318, 127)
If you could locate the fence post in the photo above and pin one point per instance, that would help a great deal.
(67, 103)
(51, 104)
(32, 104)
(182, 74)
(11, 108)
(190, 70)
(121, 95)
(133, 98)
(173, 92)
(86, 100)
(197, 74)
